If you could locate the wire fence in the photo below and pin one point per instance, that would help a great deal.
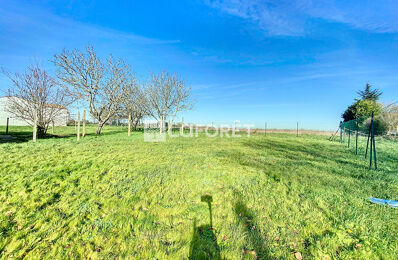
(383, 125)
(362, 134)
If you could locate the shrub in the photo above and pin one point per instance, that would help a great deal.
(366, 107)
(379, 124)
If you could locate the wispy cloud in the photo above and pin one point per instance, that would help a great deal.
(242, 88)
(371, 15)
(271, 16)
(199, 87)
(289, 17)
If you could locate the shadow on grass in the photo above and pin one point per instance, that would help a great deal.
(295, 155)
(311, 152)
(22, 137)
(320, 156)
(26, 136)
(256, 244)
(204, 241)
(16, 137)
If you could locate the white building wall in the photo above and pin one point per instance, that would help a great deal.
(60, 120)
(13, 121)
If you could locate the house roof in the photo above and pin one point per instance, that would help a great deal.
(47, 105)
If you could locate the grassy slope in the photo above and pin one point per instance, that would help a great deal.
(116, 196)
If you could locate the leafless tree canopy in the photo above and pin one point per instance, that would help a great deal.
(390, 116)
(35, 95)
(105, 86)
(110, 89)
(166, 95)
(132, 105)
(135, 105)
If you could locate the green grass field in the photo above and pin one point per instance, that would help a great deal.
(271, 196)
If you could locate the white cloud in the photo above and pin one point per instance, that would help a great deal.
(289, 17)
(272, 16)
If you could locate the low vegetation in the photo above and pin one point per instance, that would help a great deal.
(274, 196)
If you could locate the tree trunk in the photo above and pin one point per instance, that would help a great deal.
(129, 124)
(99, 128)
(84, 123)
(161, 125)
(41, 132)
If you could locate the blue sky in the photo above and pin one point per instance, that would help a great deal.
(248, 60)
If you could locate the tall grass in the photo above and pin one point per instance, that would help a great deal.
(116, 196)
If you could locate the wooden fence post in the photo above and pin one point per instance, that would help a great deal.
(52, 127)
(161, 125)
(265, 128)
(78, 126)
(297, 129)
(169, 128)
(84, 123)
(182, 125)
(8, 120)
(129, 124)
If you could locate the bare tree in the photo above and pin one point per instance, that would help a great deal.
(136, 106)
(165, 96)
(136, 116)
(390, 116)
(36, 96)
(103, 85)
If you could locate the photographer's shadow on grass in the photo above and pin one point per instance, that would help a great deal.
(204, 241)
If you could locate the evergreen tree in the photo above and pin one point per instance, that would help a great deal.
(365, 105)
(369, 94)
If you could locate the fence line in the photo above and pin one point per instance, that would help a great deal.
(370, 127)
